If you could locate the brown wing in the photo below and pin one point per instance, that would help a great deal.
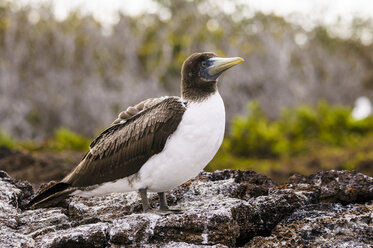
(122, 149)
(134, 110)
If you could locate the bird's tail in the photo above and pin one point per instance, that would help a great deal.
(51, 197)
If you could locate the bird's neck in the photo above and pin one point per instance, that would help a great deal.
(198, 93)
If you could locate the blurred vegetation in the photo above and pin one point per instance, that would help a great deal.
(63, 140)
(7, 140)
(304, 133)
(79, 73)
(296, 129)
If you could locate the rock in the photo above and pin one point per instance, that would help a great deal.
(339, 186)
(91, 235)
(227, 208)
(322, 225)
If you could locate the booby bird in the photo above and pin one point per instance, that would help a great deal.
(155, 145)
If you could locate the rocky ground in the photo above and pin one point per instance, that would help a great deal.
(223, 209)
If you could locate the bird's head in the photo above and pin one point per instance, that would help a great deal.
(200, 72)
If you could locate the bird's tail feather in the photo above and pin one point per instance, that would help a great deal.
(51, 196)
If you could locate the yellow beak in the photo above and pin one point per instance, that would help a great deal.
(222, 64)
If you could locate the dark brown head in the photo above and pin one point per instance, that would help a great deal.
(200, 73)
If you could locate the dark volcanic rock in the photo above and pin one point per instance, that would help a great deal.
(339, 186)
(226, 208)
(322, 225)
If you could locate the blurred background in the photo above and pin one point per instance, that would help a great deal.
(300, 103)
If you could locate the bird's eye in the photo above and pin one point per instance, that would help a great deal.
(203, 64)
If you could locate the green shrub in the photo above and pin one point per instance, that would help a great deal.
(255, 136)
(64, 139)
(6, 139)
(297, 131)
(335, 124)
(328, 124)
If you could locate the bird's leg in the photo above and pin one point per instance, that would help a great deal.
(163, 210)
(144, 199)
(162, 201)
(163, 204)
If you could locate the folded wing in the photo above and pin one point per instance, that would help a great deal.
(122, 149)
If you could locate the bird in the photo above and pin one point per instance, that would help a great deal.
(156, 145)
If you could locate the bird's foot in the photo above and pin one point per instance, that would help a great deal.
(164, 212)
(171, 210)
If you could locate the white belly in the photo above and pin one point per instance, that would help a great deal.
(187, 151)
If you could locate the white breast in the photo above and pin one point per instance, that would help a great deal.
(188, 150)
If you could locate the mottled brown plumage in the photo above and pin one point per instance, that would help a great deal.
(122, 149)
(133, 110)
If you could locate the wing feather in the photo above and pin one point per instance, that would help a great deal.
(123, 148)
(138, 108)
